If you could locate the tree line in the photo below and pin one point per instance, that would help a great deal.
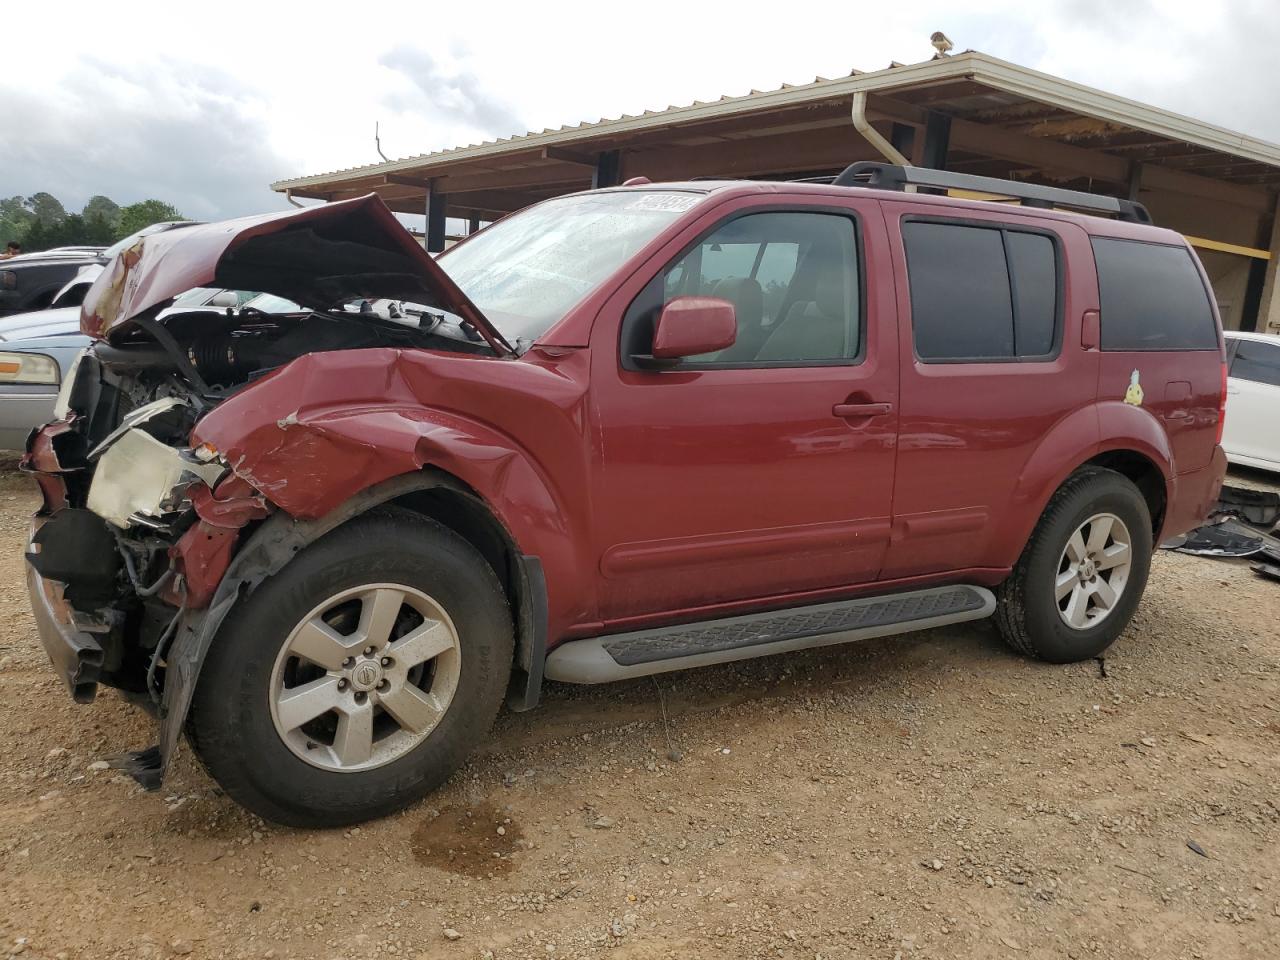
(40, 221)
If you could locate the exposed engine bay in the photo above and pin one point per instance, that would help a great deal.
(142, 517)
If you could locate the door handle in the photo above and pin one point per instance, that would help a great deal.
(854, 410)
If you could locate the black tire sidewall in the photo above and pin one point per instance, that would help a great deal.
(231, 725)
(1052, 639)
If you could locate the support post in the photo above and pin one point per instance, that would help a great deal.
(606, 171)
(937, 140)
(435, 219)
(1135, 180)
(1268, 315)
(1249, 309)
(903, 137)
(473, 224)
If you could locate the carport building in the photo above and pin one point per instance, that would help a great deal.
(969, 113)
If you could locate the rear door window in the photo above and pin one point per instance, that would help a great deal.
(981, 292)
(1152, 297)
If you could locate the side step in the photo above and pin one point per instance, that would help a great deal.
(624, 655)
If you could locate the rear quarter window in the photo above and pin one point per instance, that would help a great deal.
(1152, 297)
(1257, 361)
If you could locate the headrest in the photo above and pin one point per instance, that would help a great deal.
(743, 291)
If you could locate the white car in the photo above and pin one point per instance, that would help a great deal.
(1251, 436)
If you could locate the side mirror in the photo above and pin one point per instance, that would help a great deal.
(689, 326)
(224, 298)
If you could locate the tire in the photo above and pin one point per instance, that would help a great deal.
(1032, 616)
(255, 684)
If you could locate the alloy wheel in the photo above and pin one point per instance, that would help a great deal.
(365, 677)
(1093, 571)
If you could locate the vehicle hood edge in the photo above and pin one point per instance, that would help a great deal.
(317, 257)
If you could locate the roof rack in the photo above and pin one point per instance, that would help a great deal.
(888, 176)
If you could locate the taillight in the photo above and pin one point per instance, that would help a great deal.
(1222, 405)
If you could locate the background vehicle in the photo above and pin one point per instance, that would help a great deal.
(32, 340)
(31, 373)
(1251, 437)
(629, 431)
(30, 281)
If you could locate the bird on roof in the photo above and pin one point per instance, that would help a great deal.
(940, 43)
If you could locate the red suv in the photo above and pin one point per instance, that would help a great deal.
(617, 433)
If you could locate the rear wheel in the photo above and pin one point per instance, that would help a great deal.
(357, 679)
(1083, 571)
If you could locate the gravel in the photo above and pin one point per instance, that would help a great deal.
(930, 796)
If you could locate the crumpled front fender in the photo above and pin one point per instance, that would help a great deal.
(325, 427)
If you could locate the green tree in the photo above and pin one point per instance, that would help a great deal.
(14, 219)
(144, 213)
(71, 231)
(98, 230)
(47, 208)
(104, 208)
(36, 237)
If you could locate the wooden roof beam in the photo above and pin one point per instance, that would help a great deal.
(560, 175)
(569, 156)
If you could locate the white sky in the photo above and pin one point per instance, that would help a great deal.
(203, 105)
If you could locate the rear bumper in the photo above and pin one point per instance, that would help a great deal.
(1192, 496)
(76, 654)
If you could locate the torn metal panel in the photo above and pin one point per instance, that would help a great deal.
(1258, 508)
(202, 554)
(318, 257)
(136, 418)
(140, 477)
(1228, 538)
(200, 557)
(1270, 571)
(49, 447)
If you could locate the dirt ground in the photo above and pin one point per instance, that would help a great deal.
(926, 796)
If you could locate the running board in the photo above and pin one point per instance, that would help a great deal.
(620, 656)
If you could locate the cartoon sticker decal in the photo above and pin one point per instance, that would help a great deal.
(1133, 394)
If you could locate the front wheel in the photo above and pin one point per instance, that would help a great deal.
(1083, 571)
(358, 678)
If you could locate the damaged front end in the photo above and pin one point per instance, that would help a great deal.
(129, 554)
(135, 531)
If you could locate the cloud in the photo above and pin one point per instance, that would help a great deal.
(1213, 62)
(184, 133)
(459, 95)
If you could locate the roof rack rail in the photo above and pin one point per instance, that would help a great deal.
(888, 176)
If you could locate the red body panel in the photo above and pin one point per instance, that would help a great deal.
(654, 495)
(328, 425)
(730, 485)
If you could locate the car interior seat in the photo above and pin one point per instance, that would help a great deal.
(812, 329)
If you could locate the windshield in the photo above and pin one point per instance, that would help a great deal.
(525, 272)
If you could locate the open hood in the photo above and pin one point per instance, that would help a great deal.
(318, 257)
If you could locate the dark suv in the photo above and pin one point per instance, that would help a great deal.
(30, 281)
(620, 432)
